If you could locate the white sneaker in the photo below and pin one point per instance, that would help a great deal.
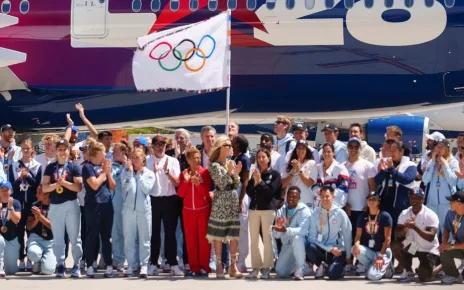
(90, 272)
(175, 271)
(360, 270)
(29, 266)
(108, 272)
(253, 275)
(129, 272)
(298, 275)
(320, 271)
(143, 272)
(2, 272)
(153, 270)
(461, 267)
(308, 269)
(406, 276)
(36, 268)
(119, 267)
(452, 280)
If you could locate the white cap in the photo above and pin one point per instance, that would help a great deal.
(435, 136)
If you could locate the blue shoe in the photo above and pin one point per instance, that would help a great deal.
(61, 272)
(189, 274)
(76, 271)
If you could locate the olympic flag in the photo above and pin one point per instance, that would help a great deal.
(192, 57)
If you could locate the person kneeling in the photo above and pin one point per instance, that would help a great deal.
(372, 242)
(40, 242)
(417, 226)
(329, 237)
(292, 228)
(10, 216)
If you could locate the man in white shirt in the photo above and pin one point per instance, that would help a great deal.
(164, 206)
(49, 156)
(416, 236)
(208, 137)
(331, 134)
(367, 152)
(10, 152)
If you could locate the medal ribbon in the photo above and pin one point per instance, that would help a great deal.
(322, 220)
(372, 224)
(456, 224)
(4, 216)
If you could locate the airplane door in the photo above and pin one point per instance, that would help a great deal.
(88, 18)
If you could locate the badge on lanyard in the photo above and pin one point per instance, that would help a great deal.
(413, 248)
(319, 238)
(371, 243)
(390, 183)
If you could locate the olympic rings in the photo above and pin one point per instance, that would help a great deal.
(202, 64)
(174, 53)
(185, 40)
(195, 50)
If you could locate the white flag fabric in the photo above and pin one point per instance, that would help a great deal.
(190, 57)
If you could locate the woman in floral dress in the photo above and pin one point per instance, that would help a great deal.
(224, 222)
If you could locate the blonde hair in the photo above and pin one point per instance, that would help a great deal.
(142, 153)
(94, 147)
(50, 138)
(214, 154)
(286, 120)
(28, 141)
(125, 147)
(447, 156)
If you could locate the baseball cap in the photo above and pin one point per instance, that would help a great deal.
(6, 127)
(300, 126)
(73, 128)
(457, 196)
(158, 139)
(373, 194)
(142, 141)
(6, 184)
(354, 139)
(444, 142)
(435, 136)
(417, 191)
(62, 142)
(330, 127)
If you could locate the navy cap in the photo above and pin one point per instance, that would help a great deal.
(444, 142)
(6, 184)
(301, 127)
(330, 127)
(142, 141)
(354, 139)
(457, 196)
(417, 191)
(62, 142)
(158, 139)
(6, 127)
(373, 194)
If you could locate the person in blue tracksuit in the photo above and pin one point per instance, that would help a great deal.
(292, 225)
(329, 237)
(137, 182)
(40, 241)
(440, 180)
(121, 153)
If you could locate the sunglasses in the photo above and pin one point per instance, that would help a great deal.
(278, 122)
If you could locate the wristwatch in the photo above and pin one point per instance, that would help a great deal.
(166, 172)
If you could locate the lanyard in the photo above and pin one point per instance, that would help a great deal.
(4, 216)
(58, 175)
(289, 218)
(410, 215)
(372, 224)
(456, 224)
(322, 220)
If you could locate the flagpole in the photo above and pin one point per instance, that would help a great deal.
(229, 33)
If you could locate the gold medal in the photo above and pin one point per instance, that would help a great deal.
(6, 167)
(59, 190)
(4, 229)
(44, 233)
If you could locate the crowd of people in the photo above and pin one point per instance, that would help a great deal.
(160, 206)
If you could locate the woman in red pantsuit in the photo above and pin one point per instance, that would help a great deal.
(194, 188)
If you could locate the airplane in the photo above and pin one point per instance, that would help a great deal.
(317, 60)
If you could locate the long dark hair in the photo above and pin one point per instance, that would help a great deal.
(308, 156)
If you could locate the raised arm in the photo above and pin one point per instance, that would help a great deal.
(93, 131)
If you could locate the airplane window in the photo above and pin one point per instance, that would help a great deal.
(155, 5)
(388, 3)
(429, 3)
(449, 3)
(6, 6)
(212, 5)
(193, 5)
(136, 5)
(409, 3)
(251, 4)
(24, 6)
(232, 4)
(270, 4)
(349, 4)
(174, 5)
(290, 4)
(329, 4)
(309, 4)
(369, 3)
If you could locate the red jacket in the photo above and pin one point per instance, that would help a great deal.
(195, 197)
